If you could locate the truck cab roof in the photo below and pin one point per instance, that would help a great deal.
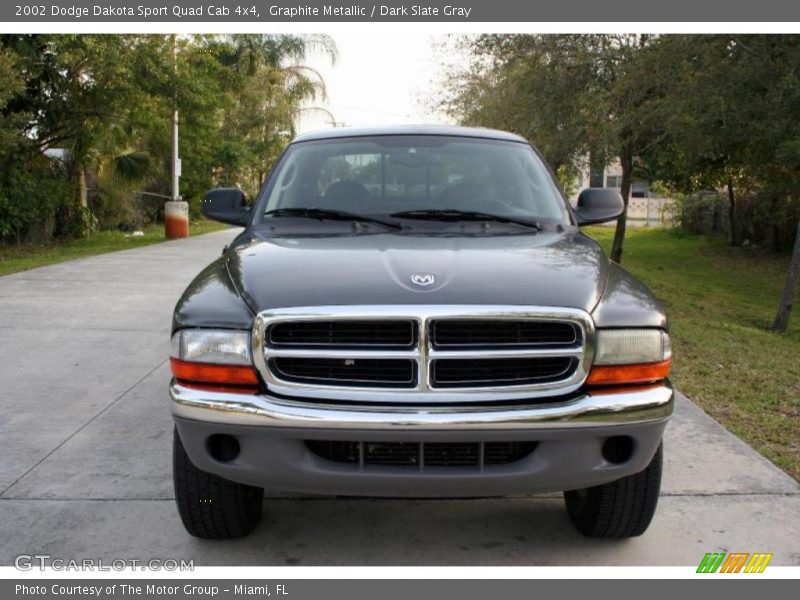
(443, 130)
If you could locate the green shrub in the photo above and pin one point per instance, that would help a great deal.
(31, 199)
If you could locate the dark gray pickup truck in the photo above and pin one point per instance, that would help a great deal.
(413, 311)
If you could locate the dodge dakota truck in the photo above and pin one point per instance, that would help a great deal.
(414, 312)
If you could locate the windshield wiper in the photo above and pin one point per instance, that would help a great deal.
(465, 215)
(326, 213)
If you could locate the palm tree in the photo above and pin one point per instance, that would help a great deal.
(275, 88)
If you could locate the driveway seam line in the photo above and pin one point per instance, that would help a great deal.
(82, 427)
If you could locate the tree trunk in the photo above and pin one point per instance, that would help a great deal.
(625, 189)
(83, 191)
(781, 322)
(733, 238)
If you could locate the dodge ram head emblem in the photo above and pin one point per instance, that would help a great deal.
(423, 279)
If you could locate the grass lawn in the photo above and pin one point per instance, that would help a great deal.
(720, 301)
(21, 258)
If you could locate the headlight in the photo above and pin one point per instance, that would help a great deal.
(631, 346)
(630, 356)
(219, 346)
(216, 358)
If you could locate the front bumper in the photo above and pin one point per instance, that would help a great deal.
(272, 435)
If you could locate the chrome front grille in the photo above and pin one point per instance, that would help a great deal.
(421, 353)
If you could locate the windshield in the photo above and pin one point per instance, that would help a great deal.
(384, 175)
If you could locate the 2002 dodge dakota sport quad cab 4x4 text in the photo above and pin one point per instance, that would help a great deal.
(413, 311)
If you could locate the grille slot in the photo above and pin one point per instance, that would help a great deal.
(472, 333)
(422, 454)
(370, 372)
(474, 372)
(343, 334)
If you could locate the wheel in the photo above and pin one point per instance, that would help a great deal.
(620, 509)
(210, 506)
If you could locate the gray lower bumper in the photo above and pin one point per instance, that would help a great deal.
(272, 435)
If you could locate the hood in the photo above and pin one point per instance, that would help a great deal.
(546, 269)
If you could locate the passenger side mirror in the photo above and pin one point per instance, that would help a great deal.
(226, 205)
(599, 205)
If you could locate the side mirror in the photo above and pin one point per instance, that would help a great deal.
(599, 205)
(226, 205)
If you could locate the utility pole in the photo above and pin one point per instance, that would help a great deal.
(176, 212)
(176, 161)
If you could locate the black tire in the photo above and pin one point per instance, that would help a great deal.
(620, 509)
(212, 507)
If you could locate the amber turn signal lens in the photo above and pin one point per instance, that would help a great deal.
(224, 375)
(622, 374)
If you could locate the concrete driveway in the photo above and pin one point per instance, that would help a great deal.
(85, 454)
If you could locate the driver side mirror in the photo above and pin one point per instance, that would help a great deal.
(226, 205)
(599, 205)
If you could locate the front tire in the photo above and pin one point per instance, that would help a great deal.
(212, 507)
(620, 509)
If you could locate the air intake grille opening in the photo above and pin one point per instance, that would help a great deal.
(422, 454)
(474, 372)
(347, 372)
(475, 333)
(344, 334)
